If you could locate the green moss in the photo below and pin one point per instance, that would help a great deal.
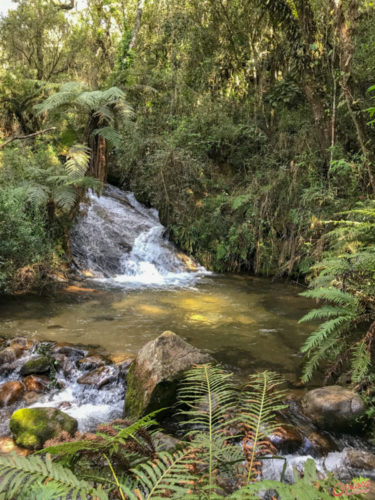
(134, 406)
(41, 364)
(32, 427)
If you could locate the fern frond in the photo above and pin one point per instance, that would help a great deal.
(326, 329)
(209, 395)
(331, 294)
(259, 402)
(26, 477)
(322, 313)
(110, 134)
(361, 362)
(65, 197)
(77, 161)
(166, 476)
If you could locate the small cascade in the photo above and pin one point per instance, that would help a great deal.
(119, 241)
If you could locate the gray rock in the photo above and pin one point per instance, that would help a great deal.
(154, 374)
(8, 355)
(333, 408)
(100, 377)
(91, 362)
(360, 459)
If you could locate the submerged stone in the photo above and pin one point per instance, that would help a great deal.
(40, 364)
(333, 408)
(154, 374)
(32, 427)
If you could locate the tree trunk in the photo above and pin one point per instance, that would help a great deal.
(137, 24)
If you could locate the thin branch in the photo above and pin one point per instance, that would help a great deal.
(28, 136)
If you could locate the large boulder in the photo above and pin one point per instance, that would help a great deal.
(333, 408)
(154, 374)
(32, 427)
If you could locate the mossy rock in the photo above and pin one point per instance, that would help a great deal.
(32, 427)
(40, 364)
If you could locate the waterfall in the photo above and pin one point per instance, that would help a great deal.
(119, 241)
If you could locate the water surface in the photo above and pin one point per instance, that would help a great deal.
(246, 323)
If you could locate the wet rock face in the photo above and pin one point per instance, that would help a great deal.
(333, 408)
(287, 439)
(100, 377)
(32, 427)
(8, 355)
(21, 343)
(153, 376)
(359, 459)
(11, 392)
(92, 362)
(68, 350)
(39, 364)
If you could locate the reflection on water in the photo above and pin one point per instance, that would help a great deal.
(246, 323)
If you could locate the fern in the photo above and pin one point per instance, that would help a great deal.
(259, 402)
(31, 478)
(209, 395)
(344, 282)
(168, 476)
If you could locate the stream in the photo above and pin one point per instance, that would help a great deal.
(139, 285)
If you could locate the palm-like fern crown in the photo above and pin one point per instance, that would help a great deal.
(105, 104)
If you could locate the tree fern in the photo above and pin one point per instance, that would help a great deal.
(31, 478)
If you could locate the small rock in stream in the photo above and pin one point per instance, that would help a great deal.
(22, 343)
(39, 364)
(100, 376)
(333, 408)
(68, 350)
(11, 392)
(154, 375)
(8, 355)
(92, 361)
(36, 383)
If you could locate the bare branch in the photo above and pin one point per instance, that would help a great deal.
(22, 137)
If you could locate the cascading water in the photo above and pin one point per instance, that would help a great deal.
(119, 241)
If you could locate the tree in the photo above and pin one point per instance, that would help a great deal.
(103, 111)
(38, 38)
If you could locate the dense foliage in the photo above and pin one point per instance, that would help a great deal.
(122, 460)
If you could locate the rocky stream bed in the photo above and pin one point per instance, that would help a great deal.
(48, 387)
